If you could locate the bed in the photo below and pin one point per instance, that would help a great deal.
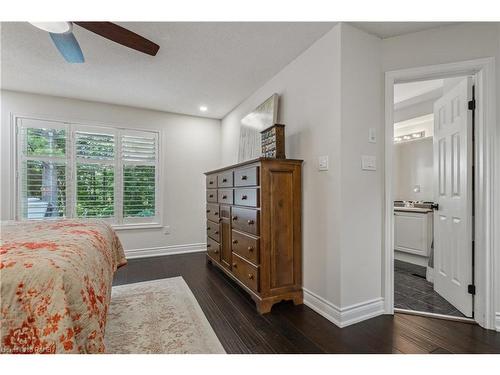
(55, 281)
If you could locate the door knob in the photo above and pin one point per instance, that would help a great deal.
(235, 241)
(250, 222)
(235, 218)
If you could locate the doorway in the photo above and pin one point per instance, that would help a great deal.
(466, 282)
(432, 185)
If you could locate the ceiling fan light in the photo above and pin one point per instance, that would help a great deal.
(54, 27)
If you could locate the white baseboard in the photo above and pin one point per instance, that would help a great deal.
(497, 321)
(165, 250)
(345, 316)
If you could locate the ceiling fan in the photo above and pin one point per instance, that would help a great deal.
(62, 35)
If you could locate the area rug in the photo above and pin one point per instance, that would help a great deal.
(159, 316)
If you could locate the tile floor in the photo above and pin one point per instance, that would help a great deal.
(414, 292)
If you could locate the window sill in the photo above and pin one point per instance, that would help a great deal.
(119, 227)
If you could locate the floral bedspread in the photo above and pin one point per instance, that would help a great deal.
(55, 285)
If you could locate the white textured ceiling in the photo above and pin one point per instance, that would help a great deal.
(390, 29)
(214, 64)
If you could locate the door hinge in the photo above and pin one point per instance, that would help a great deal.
(472, 104)
(471, 289)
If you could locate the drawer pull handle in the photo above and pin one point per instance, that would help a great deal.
(220, 220)
(208, 228)
(216, 214)
(250, 248)
(244, 197)
(208, 245)
(224, 180)
(208, 211)
(216, 232)
(243, 177)
(250, 276)
(250, 222)
(224, 197)
(211, 182)
(235, 241)
(235, 218)
(235, 265)
(211, 195)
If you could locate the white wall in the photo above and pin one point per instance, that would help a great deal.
(309, 88)
(327, 105)
(361, 191)
(413, 165)
(191, 147)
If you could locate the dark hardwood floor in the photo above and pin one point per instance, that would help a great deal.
(298, 329)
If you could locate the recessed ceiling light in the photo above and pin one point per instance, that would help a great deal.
(203, 108)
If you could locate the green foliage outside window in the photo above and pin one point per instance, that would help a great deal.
(95, 190)
(138, 191)
(46, 180)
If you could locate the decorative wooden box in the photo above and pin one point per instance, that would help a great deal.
(273, 142)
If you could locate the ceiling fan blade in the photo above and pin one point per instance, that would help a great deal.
(121, 36)
(68, 46)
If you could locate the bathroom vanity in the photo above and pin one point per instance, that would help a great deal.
(413, 230)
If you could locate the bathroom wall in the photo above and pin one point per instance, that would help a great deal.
(413, 165)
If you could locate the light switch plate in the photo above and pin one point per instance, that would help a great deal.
(368, 163)
(323, 163)
(372, 135)
(166, 229)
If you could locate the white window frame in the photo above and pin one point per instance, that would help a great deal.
(71, 127)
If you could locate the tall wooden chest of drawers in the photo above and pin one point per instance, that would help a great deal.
(254, 228)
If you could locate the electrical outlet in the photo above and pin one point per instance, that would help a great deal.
(166, 229)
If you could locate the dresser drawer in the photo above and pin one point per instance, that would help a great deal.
(225, 179)
(245, 246)
(247, 273)
(246, 177)
(213, 249)
(225, 196)
(213, 230)
(211, 181)
(213, 212)
(246, 197)
(212, 195)
(245, 219)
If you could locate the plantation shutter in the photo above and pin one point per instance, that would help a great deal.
(73, 170)
(95, 172)
(139, 157)
(42, 168)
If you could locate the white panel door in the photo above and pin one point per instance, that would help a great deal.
(453, 192)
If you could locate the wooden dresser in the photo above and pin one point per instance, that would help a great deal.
(254, 228)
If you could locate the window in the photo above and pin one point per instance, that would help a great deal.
(69, 170)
